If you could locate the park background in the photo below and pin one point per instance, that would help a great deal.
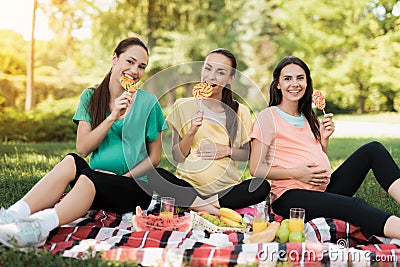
(351, 47)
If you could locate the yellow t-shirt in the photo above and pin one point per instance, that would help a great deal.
(208, 176)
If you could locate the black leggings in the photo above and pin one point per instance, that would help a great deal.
(114, 193)
(338, 201)
(246, 193)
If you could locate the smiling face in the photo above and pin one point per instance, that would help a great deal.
(292, 83)
(217, 71)
(131, 63)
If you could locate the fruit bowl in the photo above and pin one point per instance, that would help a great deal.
(210, 227)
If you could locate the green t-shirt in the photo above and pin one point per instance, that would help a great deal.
(124, 146)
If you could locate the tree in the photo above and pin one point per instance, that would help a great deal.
(13, 53)
(176, 32)
(338, 40)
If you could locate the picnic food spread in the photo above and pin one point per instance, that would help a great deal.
(266, 236)
(212, 218)
(319, 100)
(142, 222)
(286, 234)
(278, 232)
(128, 84)
(227, 218)
(202, 90)
(231, 218)
(114, 237)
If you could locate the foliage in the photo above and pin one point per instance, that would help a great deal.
(351, 47)
(169, 27)
(11, 64)
(12, 87)
(343, 62)
(50, 120)
(13, 53)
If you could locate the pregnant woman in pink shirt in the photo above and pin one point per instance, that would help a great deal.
(290, 145)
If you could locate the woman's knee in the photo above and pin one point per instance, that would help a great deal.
(75, 163)
(72, 156)
(373, 148)
(154, 176)
(86, 184)
(156, 173)
(69, 159)
(265, 187)
(67, 168)
(260, 187)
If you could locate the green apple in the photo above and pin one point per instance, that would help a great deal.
(282, 235)
(285, 223)
(296, 237)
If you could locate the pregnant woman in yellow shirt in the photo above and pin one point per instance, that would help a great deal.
(209, 139)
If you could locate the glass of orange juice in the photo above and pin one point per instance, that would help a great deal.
(167, 207)
(260, 217)
(296, 220)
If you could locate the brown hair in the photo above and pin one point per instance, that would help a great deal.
(305, 103)
(231, 106)
(99, 102)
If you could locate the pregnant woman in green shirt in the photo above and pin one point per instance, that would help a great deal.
(121, 131)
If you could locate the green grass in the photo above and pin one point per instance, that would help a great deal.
(341, 148)
(23, 164)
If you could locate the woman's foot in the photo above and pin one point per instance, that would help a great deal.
(22, 234)
(210, 204)
(7, 216)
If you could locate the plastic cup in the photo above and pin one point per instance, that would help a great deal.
(167, 207)
(260, 218)
(296, 220)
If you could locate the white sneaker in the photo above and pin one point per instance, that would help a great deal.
(22, 234)
(7, 217)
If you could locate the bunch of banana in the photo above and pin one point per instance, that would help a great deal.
(231, 218)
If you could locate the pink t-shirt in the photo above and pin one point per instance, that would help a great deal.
(289, 146)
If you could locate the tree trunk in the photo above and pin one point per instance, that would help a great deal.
(150, 24)
(361, 97)
(30, 65)
(389, 103)
(361, 100)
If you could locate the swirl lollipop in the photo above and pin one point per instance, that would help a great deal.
(319, 100)
(202, 90)
(128, 84)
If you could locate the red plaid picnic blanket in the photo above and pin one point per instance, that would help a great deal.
(329, 242)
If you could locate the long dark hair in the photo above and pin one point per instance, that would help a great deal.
(100, 100)
(275, 95)
(231, 106)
